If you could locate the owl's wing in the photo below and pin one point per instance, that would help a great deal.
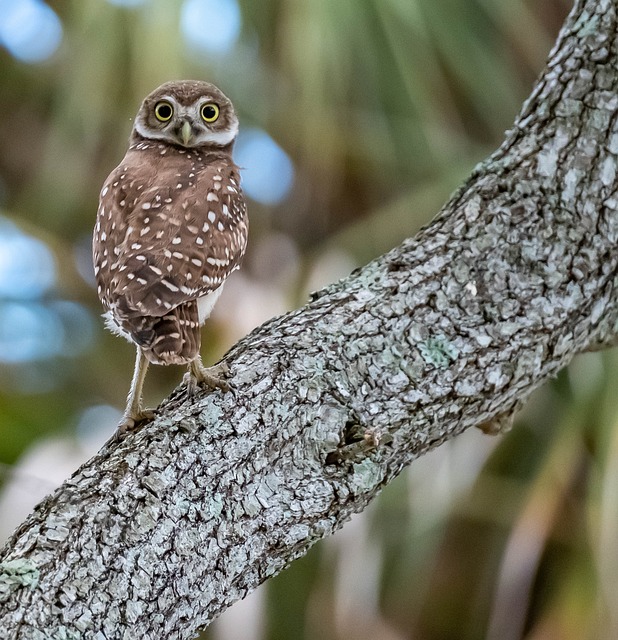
(181, 243)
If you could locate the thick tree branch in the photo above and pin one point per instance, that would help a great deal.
(455, 328)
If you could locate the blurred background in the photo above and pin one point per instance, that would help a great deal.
(358, 119)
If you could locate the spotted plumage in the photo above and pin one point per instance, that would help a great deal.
(171, 227)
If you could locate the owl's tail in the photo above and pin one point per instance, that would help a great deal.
(173, 338)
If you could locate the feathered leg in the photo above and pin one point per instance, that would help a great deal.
(134, 414)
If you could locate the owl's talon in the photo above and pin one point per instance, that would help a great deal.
(207, 377)
(131, 424)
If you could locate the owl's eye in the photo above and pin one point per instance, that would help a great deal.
(209, 112)
(163, 111)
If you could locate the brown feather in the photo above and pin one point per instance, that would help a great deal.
(171, 227)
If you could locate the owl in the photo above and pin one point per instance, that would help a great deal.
(171, 227)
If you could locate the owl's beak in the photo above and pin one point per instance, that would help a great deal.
(186, 132)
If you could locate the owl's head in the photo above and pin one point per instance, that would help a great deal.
(188, 113)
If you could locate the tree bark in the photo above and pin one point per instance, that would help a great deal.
(157, 535)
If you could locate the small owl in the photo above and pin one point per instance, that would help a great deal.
(171, 227)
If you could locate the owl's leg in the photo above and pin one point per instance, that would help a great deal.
(134, 413)
(212, 377)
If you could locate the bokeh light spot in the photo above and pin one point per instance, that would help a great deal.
(211, 26)
(29, 29)
(267, 171)
(77, 324)
(28, 331)
(34, 331)
(27, 266)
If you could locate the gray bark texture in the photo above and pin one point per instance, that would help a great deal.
(158, 534)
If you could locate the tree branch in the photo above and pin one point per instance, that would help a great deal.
(157, 535)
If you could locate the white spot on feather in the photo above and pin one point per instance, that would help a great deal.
(169, 285)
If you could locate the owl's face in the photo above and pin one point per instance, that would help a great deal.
(189, 113)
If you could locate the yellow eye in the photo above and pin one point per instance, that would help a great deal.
(163, 111)
(209, 112)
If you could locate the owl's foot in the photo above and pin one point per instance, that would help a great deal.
(207, 377)
(132, 423)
